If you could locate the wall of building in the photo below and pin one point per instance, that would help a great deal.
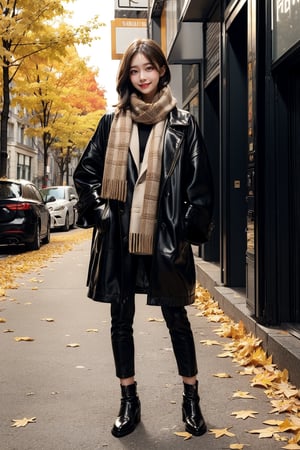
(22, 150)
(248, 99)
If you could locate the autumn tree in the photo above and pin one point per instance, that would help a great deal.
(90, 102)
(25, 31)
(58, 95)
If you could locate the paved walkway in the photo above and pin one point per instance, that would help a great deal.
(72, 391)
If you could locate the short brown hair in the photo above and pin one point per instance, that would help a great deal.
(152, 51)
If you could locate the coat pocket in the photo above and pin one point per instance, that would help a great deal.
(198, 226)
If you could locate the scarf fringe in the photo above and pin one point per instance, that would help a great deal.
(140, 244)
(114, 189)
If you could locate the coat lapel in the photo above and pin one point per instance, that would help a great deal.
(134, 146)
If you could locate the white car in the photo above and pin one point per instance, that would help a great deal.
(61, 201)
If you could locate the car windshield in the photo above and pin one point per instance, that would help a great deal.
(53, 193)
(9, 190)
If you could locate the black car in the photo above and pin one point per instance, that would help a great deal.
(24, 217)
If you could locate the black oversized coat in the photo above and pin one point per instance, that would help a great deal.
(184, 212)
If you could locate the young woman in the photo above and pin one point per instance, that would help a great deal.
(144, 184)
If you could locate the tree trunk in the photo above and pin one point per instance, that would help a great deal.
(45, 147)
(4, 121)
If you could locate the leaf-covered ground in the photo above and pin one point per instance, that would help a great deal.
(247, 353)
(14, 266)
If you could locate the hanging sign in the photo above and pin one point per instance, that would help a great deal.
(123, 32)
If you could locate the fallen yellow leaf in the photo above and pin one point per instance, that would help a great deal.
(209, 342)
(237, 446)
(295, 439)
(244, 414)
(92, 330)
(216, 318)
(183, 434)
(2, 320)
(286, 389)
(264, 379)
(250, 370)
(48, 319)
(291, 446)
(280, 406)
(242, 394)
(36, 280)
(290, 425)
(225, 355)
(265, 432)
(279, 438)
(154, 319)
(23, 338)
(273, 422)
(23, 422)
(219, 432)
(73, 345)
(222, 375)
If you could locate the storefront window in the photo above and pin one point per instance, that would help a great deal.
(190, 80)
(190, 89)
(193, 108)
(286, 26)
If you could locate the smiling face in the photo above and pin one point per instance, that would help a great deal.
(144, 76)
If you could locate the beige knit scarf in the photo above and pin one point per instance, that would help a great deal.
(114, 183)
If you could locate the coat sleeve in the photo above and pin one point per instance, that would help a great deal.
(199, 188)
(88, 175)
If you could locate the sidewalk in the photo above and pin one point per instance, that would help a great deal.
(72, 390)
(282, 345)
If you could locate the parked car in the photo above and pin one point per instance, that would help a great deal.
(61, 201)
(24, 217)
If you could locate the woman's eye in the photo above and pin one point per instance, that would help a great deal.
(133, 72)
(149, 68)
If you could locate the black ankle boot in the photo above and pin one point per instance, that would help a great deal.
(130, 412)
(191, 412)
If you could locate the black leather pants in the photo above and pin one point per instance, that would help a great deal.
(122, 317)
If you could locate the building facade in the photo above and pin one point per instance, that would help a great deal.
(23, 151)
(26, 155)
(237, 69)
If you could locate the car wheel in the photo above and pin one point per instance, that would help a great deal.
(74, 219)
(66, 226)
(36, 244)
(46, 240)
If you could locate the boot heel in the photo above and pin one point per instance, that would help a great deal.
(138, 416)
